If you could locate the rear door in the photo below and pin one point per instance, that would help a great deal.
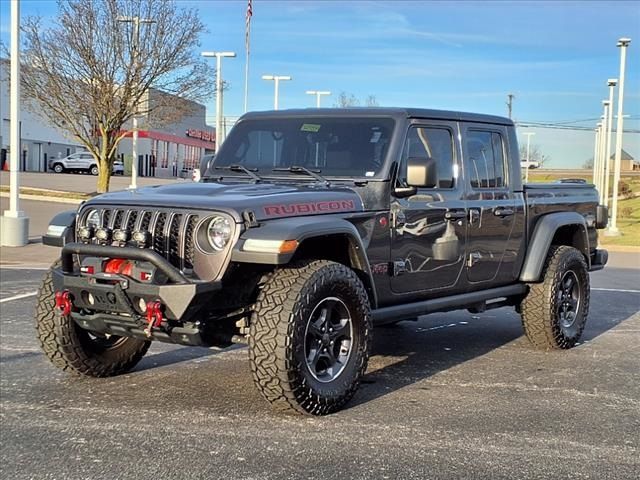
(429, 226)
(494, 209)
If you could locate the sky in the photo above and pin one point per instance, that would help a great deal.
(554, 56)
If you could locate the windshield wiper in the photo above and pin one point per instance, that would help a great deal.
(299, 169)
(241, 168)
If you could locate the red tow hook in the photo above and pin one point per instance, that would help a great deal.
(154, 316)
(63, 303)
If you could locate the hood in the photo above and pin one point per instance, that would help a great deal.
(266, 200)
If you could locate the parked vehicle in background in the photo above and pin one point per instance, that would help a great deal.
(118, 168)
(82, 162)
(308, 228)
(529, 164)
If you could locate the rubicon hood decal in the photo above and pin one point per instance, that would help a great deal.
(285, 210)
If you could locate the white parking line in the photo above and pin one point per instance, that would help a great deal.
(18, 297)
(615, 290)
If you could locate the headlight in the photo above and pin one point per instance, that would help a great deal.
(93, 219)
(219, 232)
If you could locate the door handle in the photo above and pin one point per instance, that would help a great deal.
(455, 215)
(503, 212)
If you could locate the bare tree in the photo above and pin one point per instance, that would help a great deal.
(88, 73)
(588, 164)
(371, 101)
(535, 154)
(346, 100)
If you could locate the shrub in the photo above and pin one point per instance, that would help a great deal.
(627, 212)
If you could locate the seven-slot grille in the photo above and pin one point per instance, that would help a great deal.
(171, 233)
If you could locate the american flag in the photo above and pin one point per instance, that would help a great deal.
(248, 24)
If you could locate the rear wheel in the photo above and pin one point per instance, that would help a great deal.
(58, 168)
(310, 337)
(74, 349)
(94, 170)
(554, 312)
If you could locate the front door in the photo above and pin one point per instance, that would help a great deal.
(494, 209)
(429, 225)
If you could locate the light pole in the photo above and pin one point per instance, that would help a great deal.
(612, 82)
(318, 94)
(218, 56)
(623, 43)
(15, 224)
(595, 156)
(134, 140)
(603, 152)
(276, 79)
(526, 172)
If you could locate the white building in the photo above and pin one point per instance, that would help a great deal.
(170, 150)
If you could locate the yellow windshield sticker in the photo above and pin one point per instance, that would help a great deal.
(310, 127)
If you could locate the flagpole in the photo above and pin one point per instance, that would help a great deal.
(247, 45)
(246, 82)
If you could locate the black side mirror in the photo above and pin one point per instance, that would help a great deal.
(422, 172)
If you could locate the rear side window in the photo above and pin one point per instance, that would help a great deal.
(485, 155)
(430, 142)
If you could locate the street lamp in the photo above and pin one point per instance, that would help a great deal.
(318, 94)
(218, 56)
(526, 172)
(595, 157)
(276, 79)
(15, 224)
(612, 82)
(603, 155)
(134, 140)
(623, 43)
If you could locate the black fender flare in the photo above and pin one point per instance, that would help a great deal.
(543, 233)
(301, 229)
(61, 229)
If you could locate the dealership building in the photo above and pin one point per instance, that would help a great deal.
(166, 151)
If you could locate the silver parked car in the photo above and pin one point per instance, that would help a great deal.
(82, 162)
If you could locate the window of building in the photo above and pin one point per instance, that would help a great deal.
(430, 142)
(485, 151)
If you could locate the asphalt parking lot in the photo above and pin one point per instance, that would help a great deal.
(453, 395)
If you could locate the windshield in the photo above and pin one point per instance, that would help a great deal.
(339, 147)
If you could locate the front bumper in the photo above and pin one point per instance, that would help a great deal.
(119, 294)
(598, 260)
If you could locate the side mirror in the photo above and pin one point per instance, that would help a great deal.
(422, 172)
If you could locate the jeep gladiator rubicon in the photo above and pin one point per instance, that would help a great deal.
(308, 228)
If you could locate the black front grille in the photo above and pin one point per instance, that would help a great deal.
(172, 233)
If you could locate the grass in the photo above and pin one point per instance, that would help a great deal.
(48, 193)
(629, 225)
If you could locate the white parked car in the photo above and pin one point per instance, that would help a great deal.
(529, 164)
(82, 162)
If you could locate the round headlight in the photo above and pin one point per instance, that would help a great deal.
(219, 232)
(93, 219)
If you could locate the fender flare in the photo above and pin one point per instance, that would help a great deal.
(301, 229)
(61, 229)
(541, 239)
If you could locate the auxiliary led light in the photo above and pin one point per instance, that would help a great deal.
(120, 235)
(103, 234)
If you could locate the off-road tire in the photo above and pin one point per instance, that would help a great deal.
(58, 168)
(540, 308)
(71, 348)
(94, 170)
(279, 327)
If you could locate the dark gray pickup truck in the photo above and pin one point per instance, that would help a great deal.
(308, 228)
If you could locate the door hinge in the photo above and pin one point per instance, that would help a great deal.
(474, 257)
(399, 267)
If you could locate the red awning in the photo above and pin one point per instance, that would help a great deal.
(167, 137)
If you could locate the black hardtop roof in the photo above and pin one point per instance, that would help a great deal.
(392, 112)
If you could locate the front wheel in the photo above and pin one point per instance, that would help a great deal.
(554, 312)
(76, 350)
(58, 168)
(310, 337)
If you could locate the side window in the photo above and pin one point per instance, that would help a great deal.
(430, 142)
(485, 164)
